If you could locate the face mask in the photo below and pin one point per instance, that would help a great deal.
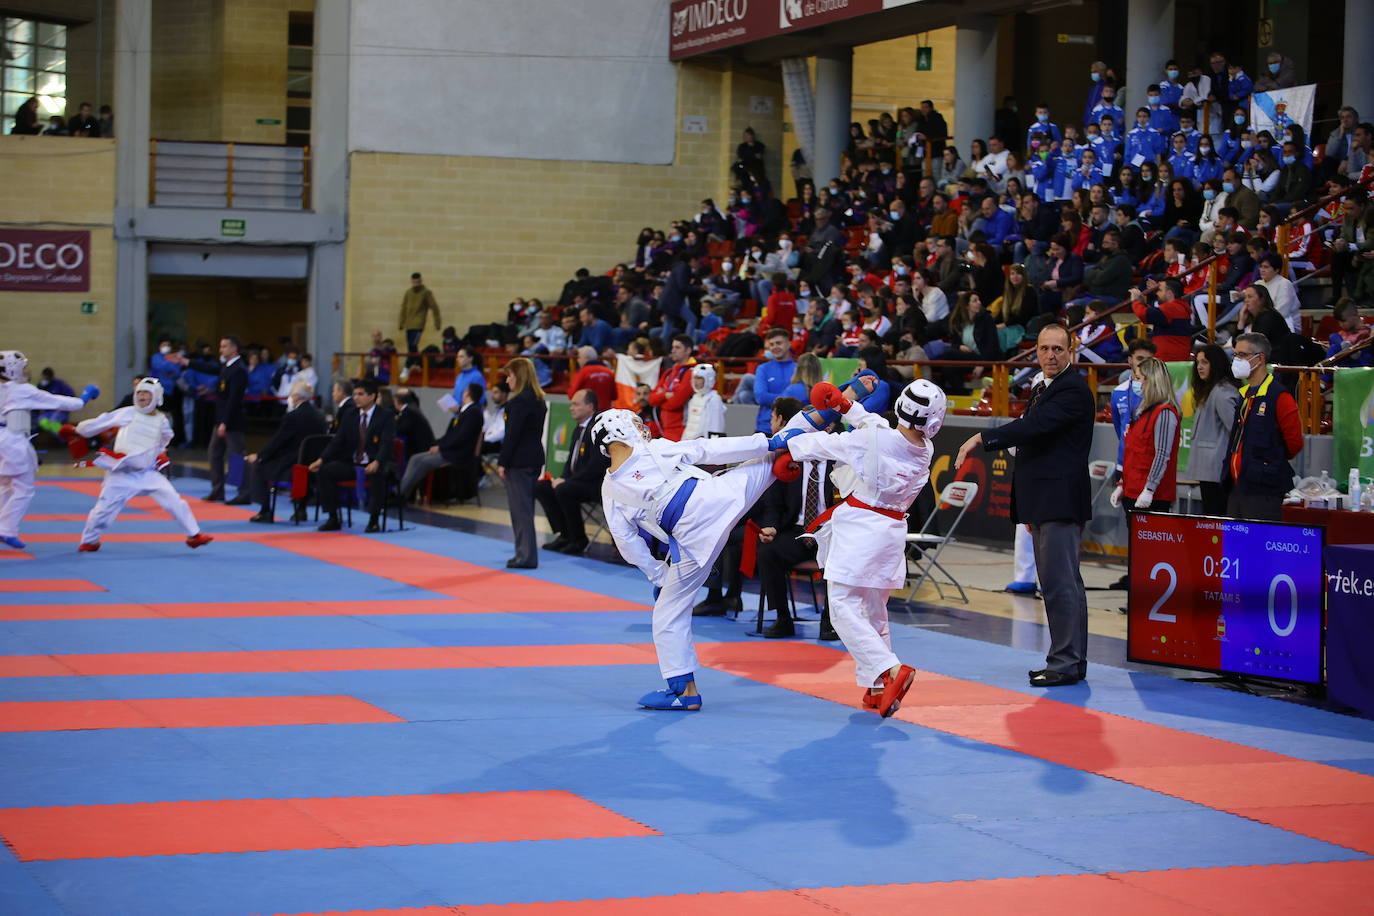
(1246, 144)
(1096, 77)
(1042, 118)
(1287, 138)
(1137, 387)
(895, 215)
(1108, 132)
(1208, 194)
(1204, 150)
(1171, 74)
(835, 301)
(1273, 68)
(785, 244)
(901, 271)
(744, 200)
(1152, 99)
(164, 349)
(834, 190)
(1142, 124)
(1289, 160)
(726, 266)
(291, 362)
(1239, 119)
(1240, 367)
(1228, 186)
(674, 238)
(887, 171)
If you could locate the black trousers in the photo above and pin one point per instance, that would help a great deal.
(260, 477)
(1260, 507)
(333, 473)
(777, 558)
(1214, 497)
(562, 506)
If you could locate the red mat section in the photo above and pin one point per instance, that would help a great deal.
(131, 663)
(1208, 771)
(261, 824)
(494, 590)
(48, 585)
(1322, 887)
(1351, 826)
(187, 712)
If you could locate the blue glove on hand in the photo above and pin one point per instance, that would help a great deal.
(89, 394)
(856, 392)
(779, 440)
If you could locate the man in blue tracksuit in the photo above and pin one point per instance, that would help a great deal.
(772, 376)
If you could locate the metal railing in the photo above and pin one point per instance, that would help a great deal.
(248, 176)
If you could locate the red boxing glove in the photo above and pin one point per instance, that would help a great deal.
(76, 443)
(826, 396)
(786, 468)
(162, 462)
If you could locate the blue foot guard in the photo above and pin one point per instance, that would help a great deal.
(672, 698)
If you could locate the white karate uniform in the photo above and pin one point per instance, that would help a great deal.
(1023, 563)
(862, 552)
(705, 415)
(633, 497)
(18, 460)
(141, 438)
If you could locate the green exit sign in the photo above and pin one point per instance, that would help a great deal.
(233, 227)
(269, 120)
(89, 308)
(924, 57)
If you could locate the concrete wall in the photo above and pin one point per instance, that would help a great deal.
(58, 183)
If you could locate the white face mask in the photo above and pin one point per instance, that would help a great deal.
(164, 349)
(1240, 368)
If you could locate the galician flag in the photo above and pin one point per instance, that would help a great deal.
(1277, 108)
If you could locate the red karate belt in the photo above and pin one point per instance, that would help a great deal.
(824, 517)
(749, 550)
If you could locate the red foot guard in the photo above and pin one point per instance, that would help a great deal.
(894, 689)
(198, 540)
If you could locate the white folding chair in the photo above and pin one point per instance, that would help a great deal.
(958, 495)
(1100, 472)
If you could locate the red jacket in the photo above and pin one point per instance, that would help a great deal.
(1139, 454)
(782, 309)
(597, 377)
(670, 397)
(1171, 328)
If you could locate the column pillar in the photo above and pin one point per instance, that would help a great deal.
(329, 184)
(132, 103)
(975, 80)
(1358, 88)
(1149, 45)
(834, 107)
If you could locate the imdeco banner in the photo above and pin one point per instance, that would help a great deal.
(45, 261)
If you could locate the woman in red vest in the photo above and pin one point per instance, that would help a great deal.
(1149, 467)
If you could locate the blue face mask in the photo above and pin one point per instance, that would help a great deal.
(1289, 160)
(1096, 77)
(1152, 99)
(894, 214)
(1137, 388)
(1208, 194)
(1228, 186)
(1239, 119)
(1041, 117)
(1171, 74)
(744, 201)
(1273, 68)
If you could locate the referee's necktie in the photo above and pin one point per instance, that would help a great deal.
(360, 455)
(811, 503)
(576, 447)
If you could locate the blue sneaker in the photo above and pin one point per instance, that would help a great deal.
(1021, 588)
(672, 697)
(14, 542)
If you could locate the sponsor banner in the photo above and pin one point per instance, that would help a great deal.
(559, 427)
(1181, 374)
(1352, 424)
(45, 261)
(702, 26)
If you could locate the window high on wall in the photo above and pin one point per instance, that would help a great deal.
(33, 62)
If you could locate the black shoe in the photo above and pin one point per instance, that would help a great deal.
(711, 607)
(734, 604)
(241, 500)
(331, 524)
(782, 628)
(213, 497)
(373, 526)
(573, 548)
(556, 544)
(1053, 679)
(512, 564)
(1123, 584)
(262, 518)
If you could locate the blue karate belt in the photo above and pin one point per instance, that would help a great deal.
(671, 514)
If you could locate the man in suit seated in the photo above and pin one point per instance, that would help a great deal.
(364, 441)
(301, 420)
(562, 498)
(411, 424)
(341, 396)
(457, 447)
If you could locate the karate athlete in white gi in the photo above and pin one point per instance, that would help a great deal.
(18, 460)
(861, 541)
(133, 467)
(654, 491)
(705, 411)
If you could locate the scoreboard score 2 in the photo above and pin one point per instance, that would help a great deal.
(1228, 596)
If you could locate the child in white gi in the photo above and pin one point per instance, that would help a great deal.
(133, 467)
(654, 491)
(18, 460)
(705, 411)
(861, 542)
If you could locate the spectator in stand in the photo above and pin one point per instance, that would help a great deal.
(947, 170)
(1237, 195)
(1357, 160)
(1279, 73)
(1169, 320)
(781, 308)
(273, 462)
(363, 442)
(1338, 141)
(595, 332)
(1143, 143)
(1043, 125)
(1295, 180)
(26, 119)
(83, 123)
(974, 333)
(772, 376)
(457, 447)
(1215, 396)
(259, 378)
(164, 366)
(522, 457)
(1352, 255)
(931, 298)
(469, 372)
(1132, 233)
(1266, 435)
(107, 128)
(1150, 468)
(1182, 210)
(1258, 316)
(1162, 117)
(594, 376)
(416, 305)
(381, 357)
(494, 418)
(1110, 277)
(1351, 332)
(1239, 269)
(669, 398)
(1065, 274)
(1097, 339)
(411, 424)
(1018, 305)
(985, 273)
(1282, 292)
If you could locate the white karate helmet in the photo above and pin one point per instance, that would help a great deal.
(154, 387)
(921, 405)
(704, 371)
(12, 365)
(618, 425)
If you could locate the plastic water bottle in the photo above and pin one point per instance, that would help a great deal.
(1354, 492)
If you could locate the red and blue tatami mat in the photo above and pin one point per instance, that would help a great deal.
(294, 722)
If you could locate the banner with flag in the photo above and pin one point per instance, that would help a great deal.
(559, 426)
(1181, 374)
(630, 373)
(1277, 108)
(1352, 424)
(839, 370)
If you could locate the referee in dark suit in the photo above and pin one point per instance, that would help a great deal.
(562, 499)
(1050, 493)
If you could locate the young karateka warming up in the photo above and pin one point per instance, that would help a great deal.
(705, 411)
(18, 460)
(861, 541)
(133, 466)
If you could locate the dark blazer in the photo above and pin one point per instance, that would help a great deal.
(1053, 440)
(381, 432)
(459, 443)
(344, 410)
(523, 446)
(412, 426)
(296, 425)
(591, 464)
(1070, 272)
(233, 382)
(781, 504)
